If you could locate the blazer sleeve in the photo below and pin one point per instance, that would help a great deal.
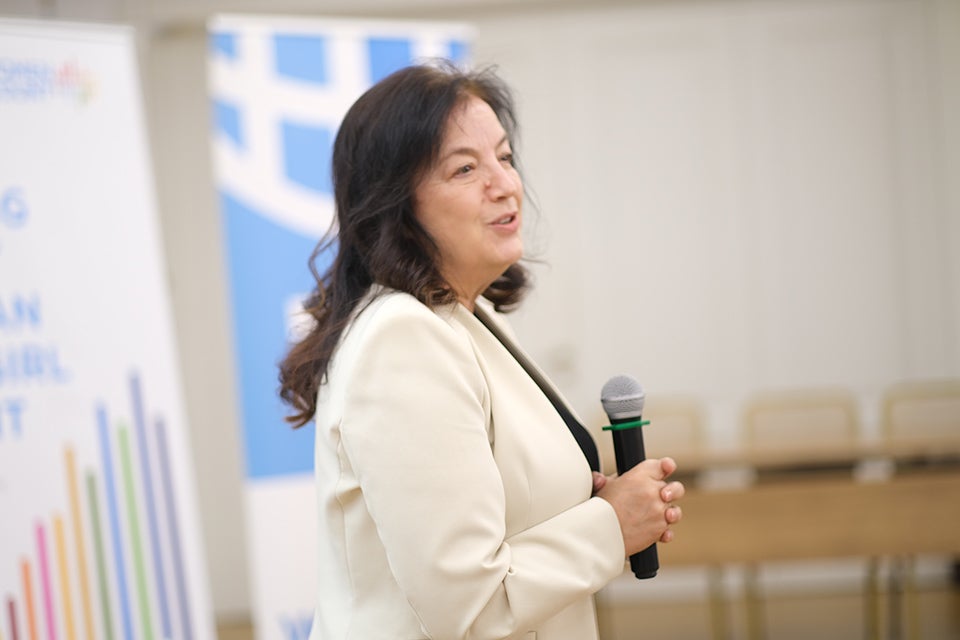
(414, 429)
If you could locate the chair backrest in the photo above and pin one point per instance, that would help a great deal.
(801, 418)
(921, 408)
(677, 426)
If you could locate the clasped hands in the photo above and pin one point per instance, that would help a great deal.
(644, 502)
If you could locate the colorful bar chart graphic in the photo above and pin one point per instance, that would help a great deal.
(110, 565)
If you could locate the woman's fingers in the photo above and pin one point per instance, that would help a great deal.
(599, 481)
(672, 491)
(673, 514)
(667, 466)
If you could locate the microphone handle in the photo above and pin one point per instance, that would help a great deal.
(629, 452)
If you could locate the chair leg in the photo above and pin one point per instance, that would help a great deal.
(895, 599)
(871, 618)
(756, 628)
(719, 625)
(911, 598)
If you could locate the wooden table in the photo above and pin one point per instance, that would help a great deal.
(808, 505)
(818, 518)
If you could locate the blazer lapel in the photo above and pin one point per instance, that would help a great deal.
(579, 432)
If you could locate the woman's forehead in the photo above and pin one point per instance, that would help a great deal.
(472, 120)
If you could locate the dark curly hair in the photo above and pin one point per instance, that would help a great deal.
(387, 140)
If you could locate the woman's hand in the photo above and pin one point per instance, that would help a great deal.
(643, 501)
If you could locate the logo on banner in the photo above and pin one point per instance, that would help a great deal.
(13, 211)
(13, 207)
(35, 81)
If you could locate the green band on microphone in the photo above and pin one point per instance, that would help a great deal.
(625, 425)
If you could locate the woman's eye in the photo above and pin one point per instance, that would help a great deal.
(508, 158)
(465, 169)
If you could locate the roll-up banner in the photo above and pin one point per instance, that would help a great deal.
(99, 531)
(279, 88)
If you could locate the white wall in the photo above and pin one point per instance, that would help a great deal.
(735, 195)
(738, 196)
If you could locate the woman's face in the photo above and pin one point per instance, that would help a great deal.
(470, 201)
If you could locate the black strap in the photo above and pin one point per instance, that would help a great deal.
(579, 432)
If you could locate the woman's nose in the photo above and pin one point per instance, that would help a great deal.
(502, 182)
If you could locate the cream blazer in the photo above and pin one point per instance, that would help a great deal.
(453, 500)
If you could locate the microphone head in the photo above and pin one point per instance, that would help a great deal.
(622, 397)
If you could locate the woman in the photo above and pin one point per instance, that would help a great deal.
(453, 501)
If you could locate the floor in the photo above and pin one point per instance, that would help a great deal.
(824, 617)
(837, 616)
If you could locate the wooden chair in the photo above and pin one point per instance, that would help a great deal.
(783, 419)
(912, 411)
(677, 427)
(786, 419)
(919, 409)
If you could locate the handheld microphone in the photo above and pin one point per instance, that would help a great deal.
(622, 398)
